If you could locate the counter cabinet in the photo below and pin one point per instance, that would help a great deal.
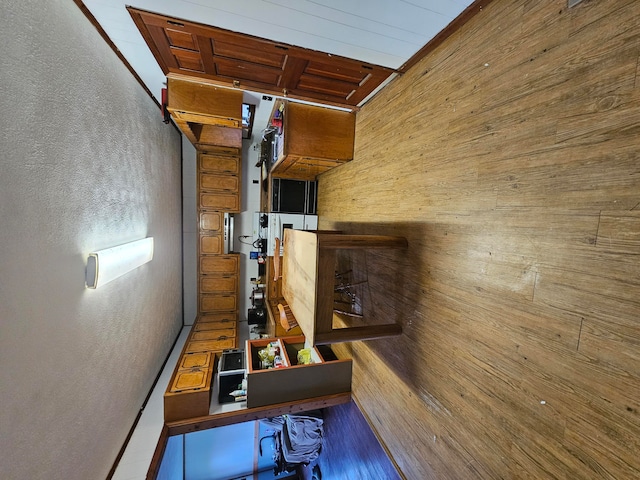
(188, 394)
(311, 140)
(326, 376)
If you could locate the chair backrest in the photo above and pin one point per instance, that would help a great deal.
(287, 320)
(276, 261)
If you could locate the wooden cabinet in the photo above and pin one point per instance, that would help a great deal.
(196, 360)
(207, 136)
(218, 284)
(293, 382)
(228, 202)
(210, 116)
(216, 162)
(203, 103)
(215, 345)
(211, 233)
(219, 192)
(188, 394)
(220, 264)
(194, 372)
(218, 302)
(311, 139)
(216, 334)
(211, 221)
(212, 244)
(219, 182)
(215, 320)
(212, 303)
(189, 391)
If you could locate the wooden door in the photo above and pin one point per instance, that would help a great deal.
(218, 302)
(213, 334)
(190, 361)
(211, 162)
(190, 380)
(211, 221)
(222, 183)
(204, 104)
(211, 244)
(217, 283)
(215, 327)
(221, 264)
(226, 202)
(215, 320)
(220, 56)
(210, 345)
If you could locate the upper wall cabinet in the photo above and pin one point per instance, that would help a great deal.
(209, 115)
(184, 48)
(204, 104)
(311, 139)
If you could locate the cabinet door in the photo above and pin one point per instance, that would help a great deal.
(316, 139)
(211, 221)
(218, 135)
(210, 345)
(218, 283)
(229, 328)
(190, 380)
(214, 334)
(220, 264)
(210, 162)
(220, 150)
(195, 360)
(218, 302)
(219, 182)
(226, 202)
(216, 320)
(211, 244)
(204, 103)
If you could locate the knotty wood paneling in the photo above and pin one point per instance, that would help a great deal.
(509, 159)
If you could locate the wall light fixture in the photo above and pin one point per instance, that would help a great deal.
(111, 263)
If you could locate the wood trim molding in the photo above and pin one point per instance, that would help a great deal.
(116, 462)
(466, 15)
(158, 453)
(257, 413)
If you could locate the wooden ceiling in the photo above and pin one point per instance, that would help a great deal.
(220, 56)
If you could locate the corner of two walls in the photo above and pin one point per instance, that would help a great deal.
(87, 164)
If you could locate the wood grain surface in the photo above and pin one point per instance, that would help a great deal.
(299, 278)
(509, 158)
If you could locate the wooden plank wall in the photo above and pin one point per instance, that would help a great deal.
(509, 158)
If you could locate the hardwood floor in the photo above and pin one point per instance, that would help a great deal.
(350, 449)
(509, 158)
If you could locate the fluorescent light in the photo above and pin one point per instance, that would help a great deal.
(111, 263)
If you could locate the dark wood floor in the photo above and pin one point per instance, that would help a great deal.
(510, 159)
(350, 449)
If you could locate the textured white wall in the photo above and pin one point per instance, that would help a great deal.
(86, 164)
